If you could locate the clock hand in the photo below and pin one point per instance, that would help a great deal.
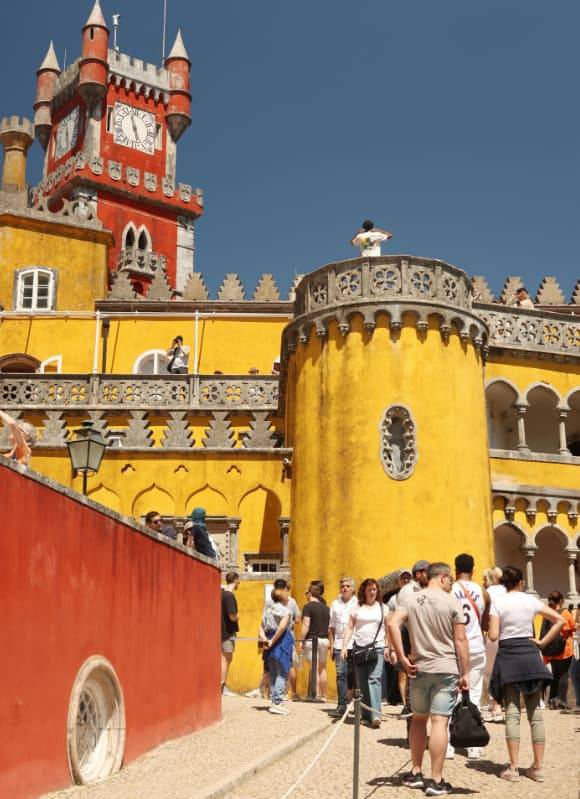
(134, 128)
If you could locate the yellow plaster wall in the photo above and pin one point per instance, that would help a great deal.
(535, 473)
(78, 255)
(348, 516)
(43, 337)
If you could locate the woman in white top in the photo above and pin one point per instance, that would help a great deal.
(519, 668)
(368, 627)
(491, 583)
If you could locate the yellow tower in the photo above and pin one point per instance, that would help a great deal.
(16, 136)
(386, 414)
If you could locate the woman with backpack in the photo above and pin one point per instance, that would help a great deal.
(519, 668)
(559, 652)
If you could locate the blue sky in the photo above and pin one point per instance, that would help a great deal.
(454, 124)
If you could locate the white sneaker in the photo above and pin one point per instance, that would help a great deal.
(450, 753)
(474, 752)
(542, 704)
(255, 694)
(279, 710)
(226, 691)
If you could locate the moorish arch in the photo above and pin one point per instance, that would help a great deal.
(153, 498)
(260, 510)
(509, 538)
(572, 421)
(209, 498)
(541, 419)
(107, 497)
(501, 398)
(551, 560)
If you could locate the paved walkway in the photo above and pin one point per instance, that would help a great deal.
(202, 764)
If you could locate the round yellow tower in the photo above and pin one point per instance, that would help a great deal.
(383, 384)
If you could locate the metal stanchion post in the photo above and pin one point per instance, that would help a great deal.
(356, 756)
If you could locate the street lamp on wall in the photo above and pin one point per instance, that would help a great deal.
(86, 451)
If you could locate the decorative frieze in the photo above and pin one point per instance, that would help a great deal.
(533, 331)
(535, 499)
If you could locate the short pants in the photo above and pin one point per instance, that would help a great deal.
(434, 693)
(322, 651)
(229, 645)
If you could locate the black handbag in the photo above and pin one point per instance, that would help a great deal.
(367, 655)
(466, 727)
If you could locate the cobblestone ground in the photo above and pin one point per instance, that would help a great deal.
(188, 767)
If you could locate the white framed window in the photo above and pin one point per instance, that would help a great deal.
(35, 289)
(52, 365)
(129, 237)
(152, 362)
(144, 239)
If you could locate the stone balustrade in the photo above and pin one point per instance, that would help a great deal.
(531, 331)
(141, 263)
(171, 392)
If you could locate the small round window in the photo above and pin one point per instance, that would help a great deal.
(398, 446)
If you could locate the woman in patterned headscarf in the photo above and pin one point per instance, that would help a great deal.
(22, 439)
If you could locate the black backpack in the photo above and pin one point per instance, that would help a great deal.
(466, 727)
(555, 647)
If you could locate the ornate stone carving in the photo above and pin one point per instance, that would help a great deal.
(292, 289)
(177, 435)
(138, 433)
(141, 263)
(121, 288)
(195, 288)
(550, 292)
(160, 288)
(231, 289)
(575, 298)
(168, 185)
(100, 423)
(115, 170)
(185, 192)
(533, 331)
(150, 181)
(267, 290)
(133, 176)
(261, 436)
(80, 160)
(398, 447)
(54, 431)
(96, 165)
(219, 434)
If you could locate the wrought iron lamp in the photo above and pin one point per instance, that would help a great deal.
(86, 451)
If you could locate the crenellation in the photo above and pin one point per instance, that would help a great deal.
(148, 76)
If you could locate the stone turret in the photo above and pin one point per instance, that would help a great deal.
(16, 136)
(46, 79)
(94, 65)
(178, 65)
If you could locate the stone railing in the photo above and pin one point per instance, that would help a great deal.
(390, 277)
(537, 331)
(172, 392)
(142, 263)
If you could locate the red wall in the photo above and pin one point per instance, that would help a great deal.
(76, 582)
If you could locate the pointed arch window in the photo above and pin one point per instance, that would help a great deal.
(129, 237)
(144, 240)
(35, 289)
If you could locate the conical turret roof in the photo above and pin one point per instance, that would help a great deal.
(96, 17)
(50, 60)
(178, 50)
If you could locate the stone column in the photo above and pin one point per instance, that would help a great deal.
(233, 535)
(528, 551)
(562, 415)
(572, 556)
(284, 523)
(522, 444)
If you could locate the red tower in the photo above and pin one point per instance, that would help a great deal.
(46, 79)
(110, 123)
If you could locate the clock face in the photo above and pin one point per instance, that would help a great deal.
(134, 128)
(67, 133)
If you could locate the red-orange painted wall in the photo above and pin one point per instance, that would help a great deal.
(75, 582)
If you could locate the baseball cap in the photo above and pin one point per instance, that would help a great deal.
(420, 566)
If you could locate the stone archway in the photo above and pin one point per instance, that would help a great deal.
(551, 561)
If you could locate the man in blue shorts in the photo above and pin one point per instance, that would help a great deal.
(438, 668)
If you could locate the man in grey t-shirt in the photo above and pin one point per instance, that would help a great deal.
(438, 667)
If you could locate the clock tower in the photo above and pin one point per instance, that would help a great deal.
(110, 124)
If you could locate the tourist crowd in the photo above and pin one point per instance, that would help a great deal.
(435, 637)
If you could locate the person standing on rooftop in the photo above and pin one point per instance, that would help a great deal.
(369, 238)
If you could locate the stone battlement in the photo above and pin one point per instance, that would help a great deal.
(15, 124)
(149, 78)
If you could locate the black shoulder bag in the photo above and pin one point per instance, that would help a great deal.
(466, 727)
(367, 655)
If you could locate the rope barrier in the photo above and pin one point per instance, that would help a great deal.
(319, 755)
(381, 713)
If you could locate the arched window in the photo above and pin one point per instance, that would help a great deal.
(35, 289)
(501, 415)
(144, 239)
(19, 362)
(129, 237)
(398, 446)
(152, 362)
